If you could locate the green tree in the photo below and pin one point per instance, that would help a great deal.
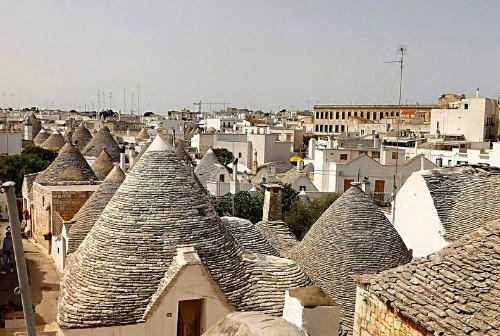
(224, 156)
(44, 154)
(14, 167)
(245, 206)
(302, 216)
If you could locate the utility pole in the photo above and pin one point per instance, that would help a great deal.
(132, 108)
(98, 99)
(124, 101)
(22, 272)
(138, 111)
(103, 100)
(110, 96)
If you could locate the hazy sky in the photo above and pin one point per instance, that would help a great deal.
(254, 54)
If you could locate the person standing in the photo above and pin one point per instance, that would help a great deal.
(8, 253)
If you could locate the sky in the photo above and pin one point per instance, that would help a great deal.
(256, 54)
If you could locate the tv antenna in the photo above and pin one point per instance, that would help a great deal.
(401, 50)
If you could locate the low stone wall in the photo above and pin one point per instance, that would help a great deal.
(375, 318)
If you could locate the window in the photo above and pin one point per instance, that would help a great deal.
(362, 132)
(362, 153)
(336, 128)
(317, 115)
(336, 115)
(222, 177)
(367, 115)
(343, 157)
(355, 114)
(466, 106)
(343, 115)
(376, 155)
(317, 128)
(394, 155)
(331, 115)
(321, 128)
(330, 128)
(239, 155)
(348, 114)
(362, 114)
(302, 188)
(342, 128)
(322, 115)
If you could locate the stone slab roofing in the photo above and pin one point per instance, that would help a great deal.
(69, 165)
(206, 167)
(142, 135)
(248, 235)
(40, 137)
(103, 140)
(278, 235)
(103, 165)
(253, 324)
(35, 123)
(351, 237)
(55, 141)
(117, 269)
(144, 148)
(88, 214)
(81, 137)
(455, 291)
(464, 197)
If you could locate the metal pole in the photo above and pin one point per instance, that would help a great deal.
(22, 272)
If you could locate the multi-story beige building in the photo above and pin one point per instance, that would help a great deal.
(335, 118)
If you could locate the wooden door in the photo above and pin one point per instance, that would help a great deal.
(189, 318)
(347, 184)
(379, 189)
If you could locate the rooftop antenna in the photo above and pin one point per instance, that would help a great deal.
(401, 50)
(138, 88)
(124, 111)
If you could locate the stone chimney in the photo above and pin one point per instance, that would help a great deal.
(131, 155)
(313, 310)
(376, 141)
(28, 131)
(365, 186)
(123, 165)
(272, 170)
(300, 165)
(254, 165)
(272, 203)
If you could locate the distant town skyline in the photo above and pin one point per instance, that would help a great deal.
(259, 55)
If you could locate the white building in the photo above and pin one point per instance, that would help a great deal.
(436, 207)
(475, 119)
(10, 143)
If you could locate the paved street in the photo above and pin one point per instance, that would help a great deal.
(44, 284)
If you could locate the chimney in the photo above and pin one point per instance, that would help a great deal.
(439, 161)
(312, 148)
(272, 203)
(272, 170)
(254, 165)
(376, 141)
(28, 131)
(306, 306)
(122, 159)
(365, 186)
(131, 155)
(300, 165)
(331, 141)
(477, 92)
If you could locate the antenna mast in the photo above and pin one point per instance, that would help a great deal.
(401, 50)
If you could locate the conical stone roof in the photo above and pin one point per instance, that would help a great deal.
(103, 139)
(352, 237)
(92, 209)
(55, 141)
(206, 167)
(35, 123)
(102, 165)
(142, 151)
(69, 165)
(117, 268)
(40, 137)
(81, 137)
(142, 135)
